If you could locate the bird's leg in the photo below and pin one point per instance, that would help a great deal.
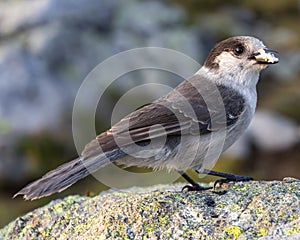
(228, 177)
(194, 186)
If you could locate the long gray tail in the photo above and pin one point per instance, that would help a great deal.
(65, 175)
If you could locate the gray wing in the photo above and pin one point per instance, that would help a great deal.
(183, 111)
(172, 112)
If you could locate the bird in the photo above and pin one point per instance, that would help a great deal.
(188, 128)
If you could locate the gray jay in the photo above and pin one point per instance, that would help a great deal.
(186, 129)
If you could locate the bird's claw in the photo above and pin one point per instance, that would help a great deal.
(190, 188)
(220, 182)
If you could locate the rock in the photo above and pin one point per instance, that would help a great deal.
(263, 133)
(48, 47)
(244, 210)
(17, 16)
(266, 126)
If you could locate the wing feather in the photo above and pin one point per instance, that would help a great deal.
(185, 110)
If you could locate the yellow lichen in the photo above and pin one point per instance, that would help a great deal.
(258, 209)
(263, 231)
(235, 207)
(292, 231)
(234, 231)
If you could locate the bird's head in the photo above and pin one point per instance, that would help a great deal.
(241, 58)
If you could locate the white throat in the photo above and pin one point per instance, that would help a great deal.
(243, 82)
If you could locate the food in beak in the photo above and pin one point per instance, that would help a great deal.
(266, 56)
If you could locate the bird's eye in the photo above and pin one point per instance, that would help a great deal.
(239, 50)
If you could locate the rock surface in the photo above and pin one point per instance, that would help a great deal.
(249, 210)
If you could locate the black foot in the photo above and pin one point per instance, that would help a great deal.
(227, 177)
(196, 187)
(232, 178)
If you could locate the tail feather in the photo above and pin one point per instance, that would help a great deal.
(65, 175)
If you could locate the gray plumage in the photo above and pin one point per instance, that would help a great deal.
(211, 109)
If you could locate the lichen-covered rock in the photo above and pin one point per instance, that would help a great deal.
(245, 210)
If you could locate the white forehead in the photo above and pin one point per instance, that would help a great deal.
(254, 42)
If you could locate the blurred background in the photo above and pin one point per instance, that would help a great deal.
(47, 48)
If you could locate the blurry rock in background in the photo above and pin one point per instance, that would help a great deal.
(47, 48)
(271, 131)
(270, 146)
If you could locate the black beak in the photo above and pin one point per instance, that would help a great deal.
(266, 56)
